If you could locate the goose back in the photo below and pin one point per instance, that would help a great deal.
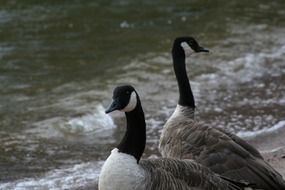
(224, 153)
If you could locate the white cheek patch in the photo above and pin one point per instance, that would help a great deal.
(187, 49)
(132, 103)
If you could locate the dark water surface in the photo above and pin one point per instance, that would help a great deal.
(60, 60)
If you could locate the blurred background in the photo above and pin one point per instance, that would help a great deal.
(60, 60)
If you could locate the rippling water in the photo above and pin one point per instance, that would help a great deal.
(59, 62)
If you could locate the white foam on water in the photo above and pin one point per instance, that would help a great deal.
(249, 134)
(273, 150)
(126, 24)
(96, 122)
(77, 176)
(246, 68)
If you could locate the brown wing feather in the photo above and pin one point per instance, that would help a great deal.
(185, 174)
(242, 143)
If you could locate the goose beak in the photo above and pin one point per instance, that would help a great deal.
(201, 49)
(114, 106)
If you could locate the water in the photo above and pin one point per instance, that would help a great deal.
(59, 62)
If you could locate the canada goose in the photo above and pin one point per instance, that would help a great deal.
(224, 153)
(124, 169)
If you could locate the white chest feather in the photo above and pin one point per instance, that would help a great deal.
(121, 172)
(179, 118)
(177, 111)
(181, 111)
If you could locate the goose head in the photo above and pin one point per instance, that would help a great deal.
(188, 44)
(124, 99)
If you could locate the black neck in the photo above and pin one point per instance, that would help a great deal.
(134, 140)
(185, 93)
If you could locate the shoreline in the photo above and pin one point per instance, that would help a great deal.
(272, 147)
